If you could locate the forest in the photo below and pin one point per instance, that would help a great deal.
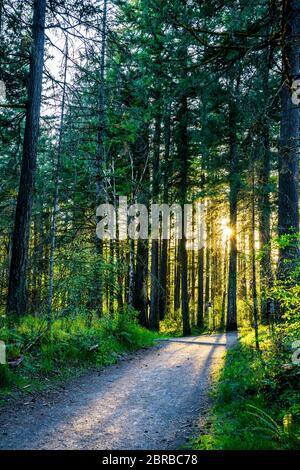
(162, 104)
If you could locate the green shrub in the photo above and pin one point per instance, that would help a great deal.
(75, 342)
(255, 396)
(171, 327)
(5, 376)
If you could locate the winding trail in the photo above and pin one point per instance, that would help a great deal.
(152, 399)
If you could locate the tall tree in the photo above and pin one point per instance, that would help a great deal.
(163, 281)
(56, 187)
(233, 208)
(17, 289)
(183, 157)
(100, 157)
(140, 293)
(288, 197)
(154, 300)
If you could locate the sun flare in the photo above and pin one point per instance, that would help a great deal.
(227, 231)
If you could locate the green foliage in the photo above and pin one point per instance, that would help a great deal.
(170, 327)
(5, 376)
(287, 296)
(286, 291)
(74, 343)
(256, 397)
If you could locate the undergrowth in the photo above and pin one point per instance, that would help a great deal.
(256, 398)
(34, 357)
(170, 327)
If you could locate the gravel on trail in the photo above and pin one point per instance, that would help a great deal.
(155, 398)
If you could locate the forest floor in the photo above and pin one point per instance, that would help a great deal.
(152, 399)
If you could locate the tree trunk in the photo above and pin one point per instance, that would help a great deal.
(264, 207)
(140, 298)
(193, 286)
(233, 202)
(56, 192)
(163, 275)
(182, 149)
(253, 263)
(17, 289)
(264, 213)
(288, 201)
(163, 279)
(207, 267)
(154, 312)
(223, 307)
(177, 279)
(120, 276)
(131, 273)
(140, 291)
(100, 160)
(200, 310)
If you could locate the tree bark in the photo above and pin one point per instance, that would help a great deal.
(177, 277)
(140, 298)
(154, 305)
(140, 289)
(264, 214)
(200, 310)
(100, 159)
(223, 307)
(233, 202)
(17, 289)
(56, 192)
(253, 263)
(207, 266)
(182, 149)
(163, 280)
(288, 201)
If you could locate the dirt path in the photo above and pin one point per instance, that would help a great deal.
(154, 399)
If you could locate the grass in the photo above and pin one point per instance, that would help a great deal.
(74, 345)
(256, 398)
(170, 327)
